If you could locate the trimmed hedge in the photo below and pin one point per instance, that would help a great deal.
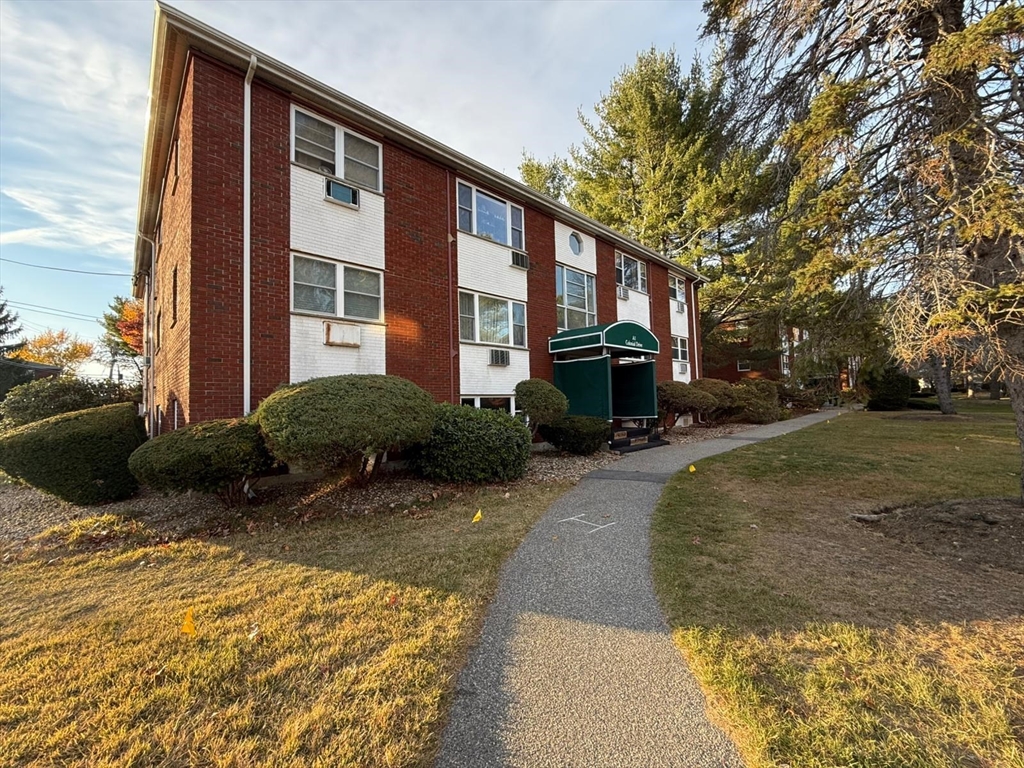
(679, 397)
(889, 389)
(582, 435)
(725, 397)
(343, 421)
(470, 445)
(55, 395)
(211, 457)
(540, 401)
(81, 457)
(758, 402)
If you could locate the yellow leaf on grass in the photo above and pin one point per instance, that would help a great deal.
(188, 626)
(478, 516)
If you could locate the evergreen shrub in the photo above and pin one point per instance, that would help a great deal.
(470, 445)
(582, 435)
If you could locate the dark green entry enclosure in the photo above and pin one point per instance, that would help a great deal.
(595, 387)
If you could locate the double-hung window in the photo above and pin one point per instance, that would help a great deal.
(575, 299)
(334, 151)
(676, 288)
(488, 216)
(630, 273)
(490, 320)
(680, 349)
(316, 284)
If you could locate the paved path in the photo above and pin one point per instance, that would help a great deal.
(575, 665)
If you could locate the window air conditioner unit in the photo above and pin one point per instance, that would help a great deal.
(684, 367)
(520, 260)
(341, 193)
(623, 293)
(681, 307)
(500, 357)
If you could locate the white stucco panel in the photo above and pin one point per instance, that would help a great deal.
(677, 376)
(478, 377)
(637, 309)
(325, 228)
(678, 321)
(311, 358)
(486, 267)
(586, 261)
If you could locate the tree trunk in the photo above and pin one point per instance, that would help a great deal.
(995, 389)
(943, 385)
(1015, 384)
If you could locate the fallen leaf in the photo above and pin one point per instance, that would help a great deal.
(188, 626)
(693, 468)
(478, 516)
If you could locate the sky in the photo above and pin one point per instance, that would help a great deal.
(489, 79)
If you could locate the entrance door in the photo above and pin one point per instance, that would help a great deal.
(634, 390)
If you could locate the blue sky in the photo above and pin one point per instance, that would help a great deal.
(487, 78)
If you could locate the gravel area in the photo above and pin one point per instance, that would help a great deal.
(26, 512)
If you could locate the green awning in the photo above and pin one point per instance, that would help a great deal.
(623, 335)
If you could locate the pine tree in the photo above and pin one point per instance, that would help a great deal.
(9, 329)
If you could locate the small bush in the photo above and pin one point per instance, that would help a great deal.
(757, 401)
(55, 395)
(679, 397)
(211, 457)
(724, 395)
(81, 457)
(810, 398)
(470, 445)
(889, 389)
(540, 401)
(582, 435)
(344, 421)
(11, 376)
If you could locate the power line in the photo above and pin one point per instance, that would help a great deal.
(63, 269)
(55, 309)
(48, 311)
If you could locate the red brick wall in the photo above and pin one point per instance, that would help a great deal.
(607, 308)
(661, 323)
(270, 240)
(421, 283)
(170, 369)
(541, 320)
(216, 300)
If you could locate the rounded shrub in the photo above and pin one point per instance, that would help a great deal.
(540, 401)
(679, 397)
(889, 389)
(212, 457)
(55, 395)
(582, 435)
(725, 397)
(757, 402)
(81, 457)
(343, 421)
(470, 445)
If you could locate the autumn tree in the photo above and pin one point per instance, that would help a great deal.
(904, 126)
(122, 339)
(60, 348)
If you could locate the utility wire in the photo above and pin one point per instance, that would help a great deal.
(50, 311)
(55, 309)
(63, 269)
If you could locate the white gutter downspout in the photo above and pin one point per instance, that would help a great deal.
(147, 371)
(246, 244)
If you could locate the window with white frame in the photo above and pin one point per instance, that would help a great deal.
(742, 366)
(680, 349)
(785, 365)
(316, 284)
(330, 149)
(677, 288)
(575, 298)
(490, 320)
(488, 402)
(630, 272)
(491, 217)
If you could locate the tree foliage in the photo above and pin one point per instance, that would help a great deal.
(122, 339)
(10, 329)
(61, 348)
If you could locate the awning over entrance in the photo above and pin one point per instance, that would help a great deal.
(622, 339)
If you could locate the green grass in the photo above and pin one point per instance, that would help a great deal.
(821, 642)
(329, 644)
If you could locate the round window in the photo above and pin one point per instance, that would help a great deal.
(575, 244)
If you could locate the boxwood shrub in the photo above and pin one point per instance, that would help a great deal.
(212, 457)
(889, 389)
(55, 395)
(725, 398)
(757, 401)
(581, 435)
(676, 397)
(470, 445)
(344, 421)
(81, 457)
(540, 401)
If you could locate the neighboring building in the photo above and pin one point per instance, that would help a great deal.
(747, 362)
(286, 231)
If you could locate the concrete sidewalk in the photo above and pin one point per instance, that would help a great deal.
(575, 665)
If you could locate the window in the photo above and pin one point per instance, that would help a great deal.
(490, 320)
(680, 349)
(742, 366)
(159, 329)
(506, 404)
(630, 273)
(490, 217)
(575, 244)
(315, 289)
(319, 144)
(785, 365)
(174, 296)
(677, 288)
(575, 299)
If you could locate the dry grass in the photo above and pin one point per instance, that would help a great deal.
(329, 644)
(820, 640)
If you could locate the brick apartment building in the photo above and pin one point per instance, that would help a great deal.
(286, 231)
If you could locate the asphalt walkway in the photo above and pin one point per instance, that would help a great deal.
(575, 665)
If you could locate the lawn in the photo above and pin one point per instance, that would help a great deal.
(822, 640)
(333, 643)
